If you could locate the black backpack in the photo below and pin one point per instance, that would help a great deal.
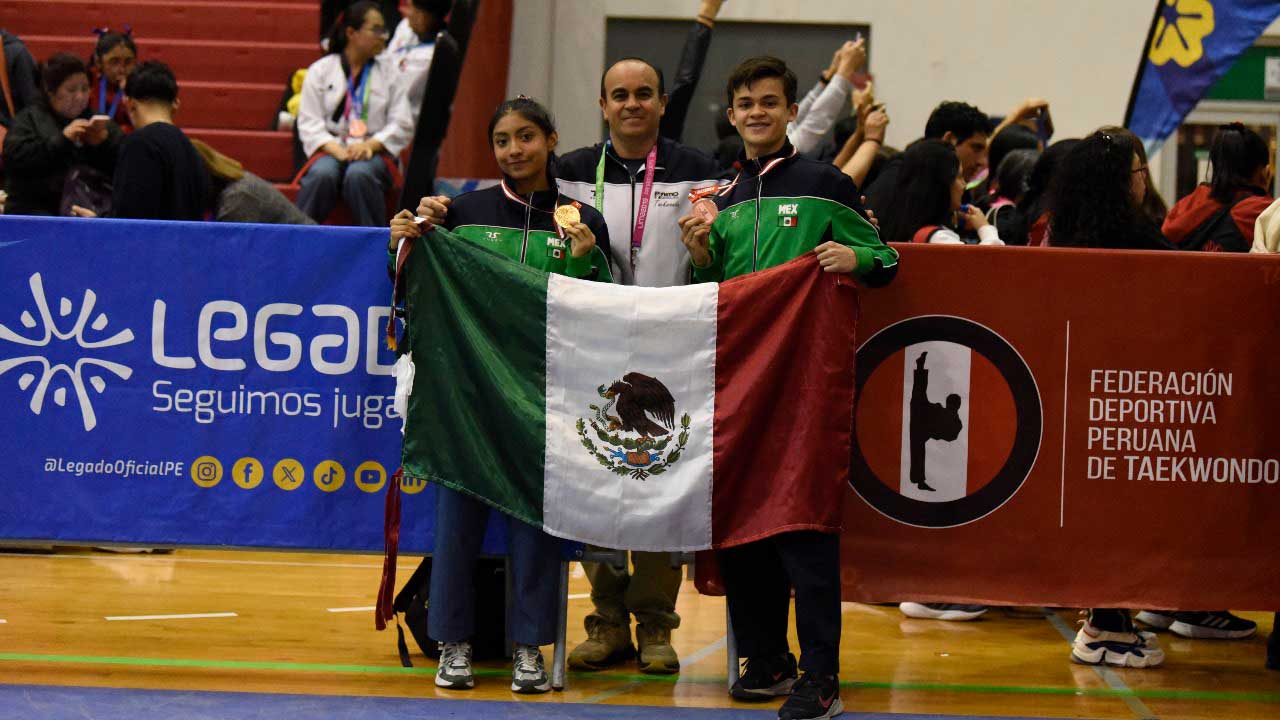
(1221, 229)
(490, 641)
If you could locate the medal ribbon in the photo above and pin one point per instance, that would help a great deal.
(642, 217)
(722, 190)
(362, 90)
(513, 197)
(102, 99)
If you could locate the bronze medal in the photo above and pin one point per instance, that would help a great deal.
(358, 129)
(706, 209)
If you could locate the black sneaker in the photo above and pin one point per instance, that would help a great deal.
(765, 678)
(1219, 625)
(813, 696)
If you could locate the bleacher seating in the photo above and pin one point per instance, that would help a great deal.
(232, 60)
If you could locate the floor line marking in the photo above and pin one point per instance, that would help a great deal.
(705, 652)
(188, 616)
(3, 621)
(1108, 675)
(350, 609)
(1066, 370)
(579, 596)
(1261, 697)
(170, 558)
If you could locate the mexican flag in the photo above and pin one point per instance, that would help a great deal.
(664, 419)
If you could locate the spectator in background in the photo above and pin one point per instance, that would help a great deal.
(1153, 205)
(113, 59)
(1266, 239)
(159, 175)
(1095, 197)
(414, 44)
(692, 58)
(926, 203)
(958, 124)
(1012, 137)
(1009, 187)
(1031, 224)
(23, 79)
(353, 121)
(862, 149)
(51, 136)
(1219, 216)
(237, 195)
(827, 99)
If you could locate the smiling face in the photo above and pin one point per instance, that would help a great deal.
(631, 104)
(760, 113)
(521, 148)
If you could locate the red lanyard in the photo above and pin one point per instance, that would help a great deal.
(642, 216)
(516, 198)
(722, 190)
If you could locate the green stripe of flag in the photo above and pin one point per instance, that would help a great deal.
(477, 415)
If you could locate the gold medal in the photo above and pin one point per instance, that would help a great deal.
(706, 209)
(358, 129)
(567, 215)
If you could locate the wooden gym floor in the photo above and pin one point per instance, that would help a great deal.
(291, 635)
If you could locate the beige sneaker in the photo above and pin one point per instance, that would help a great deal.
(606, 644)
(657, 657)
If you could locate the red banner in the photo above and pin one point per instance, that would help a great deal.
(1067, 427)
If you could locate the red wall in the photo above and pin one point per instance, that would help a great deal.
(482, 87)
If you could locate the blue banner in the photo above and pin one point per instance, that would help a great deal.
(198, 384)
(1190, 45)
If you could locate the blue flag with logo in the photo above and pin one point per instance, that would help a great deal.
(1190, 45)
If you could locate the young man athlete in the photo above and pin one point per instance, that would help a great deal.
(779, 207)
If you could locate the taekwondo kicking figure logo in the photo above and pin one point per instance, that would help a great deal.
(948, 422)
(84, 368)
(929, 421)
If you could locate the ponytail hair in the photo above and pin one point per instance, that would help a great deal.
(1235, 154)
(353, 18)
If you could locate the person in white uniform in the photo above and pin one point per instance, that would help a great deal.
(354, 120)
(414, 44)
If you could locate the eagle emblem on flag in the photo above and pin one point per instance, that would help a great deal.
(635, 426)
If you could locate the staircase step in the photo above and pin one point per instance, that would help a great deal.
(199, 60)
(266, 154)
(242, 21)
(234, 106)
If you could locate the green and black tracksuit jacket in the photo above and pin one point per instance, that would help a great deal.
(527, 234)
(798, 205)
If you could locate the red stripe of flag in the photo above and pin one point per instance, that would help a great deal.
(784, 402)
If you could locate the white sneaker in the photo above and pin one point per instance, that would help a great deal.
(454, 670)
(527, 672)
(1121, 649)
(942, 611)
